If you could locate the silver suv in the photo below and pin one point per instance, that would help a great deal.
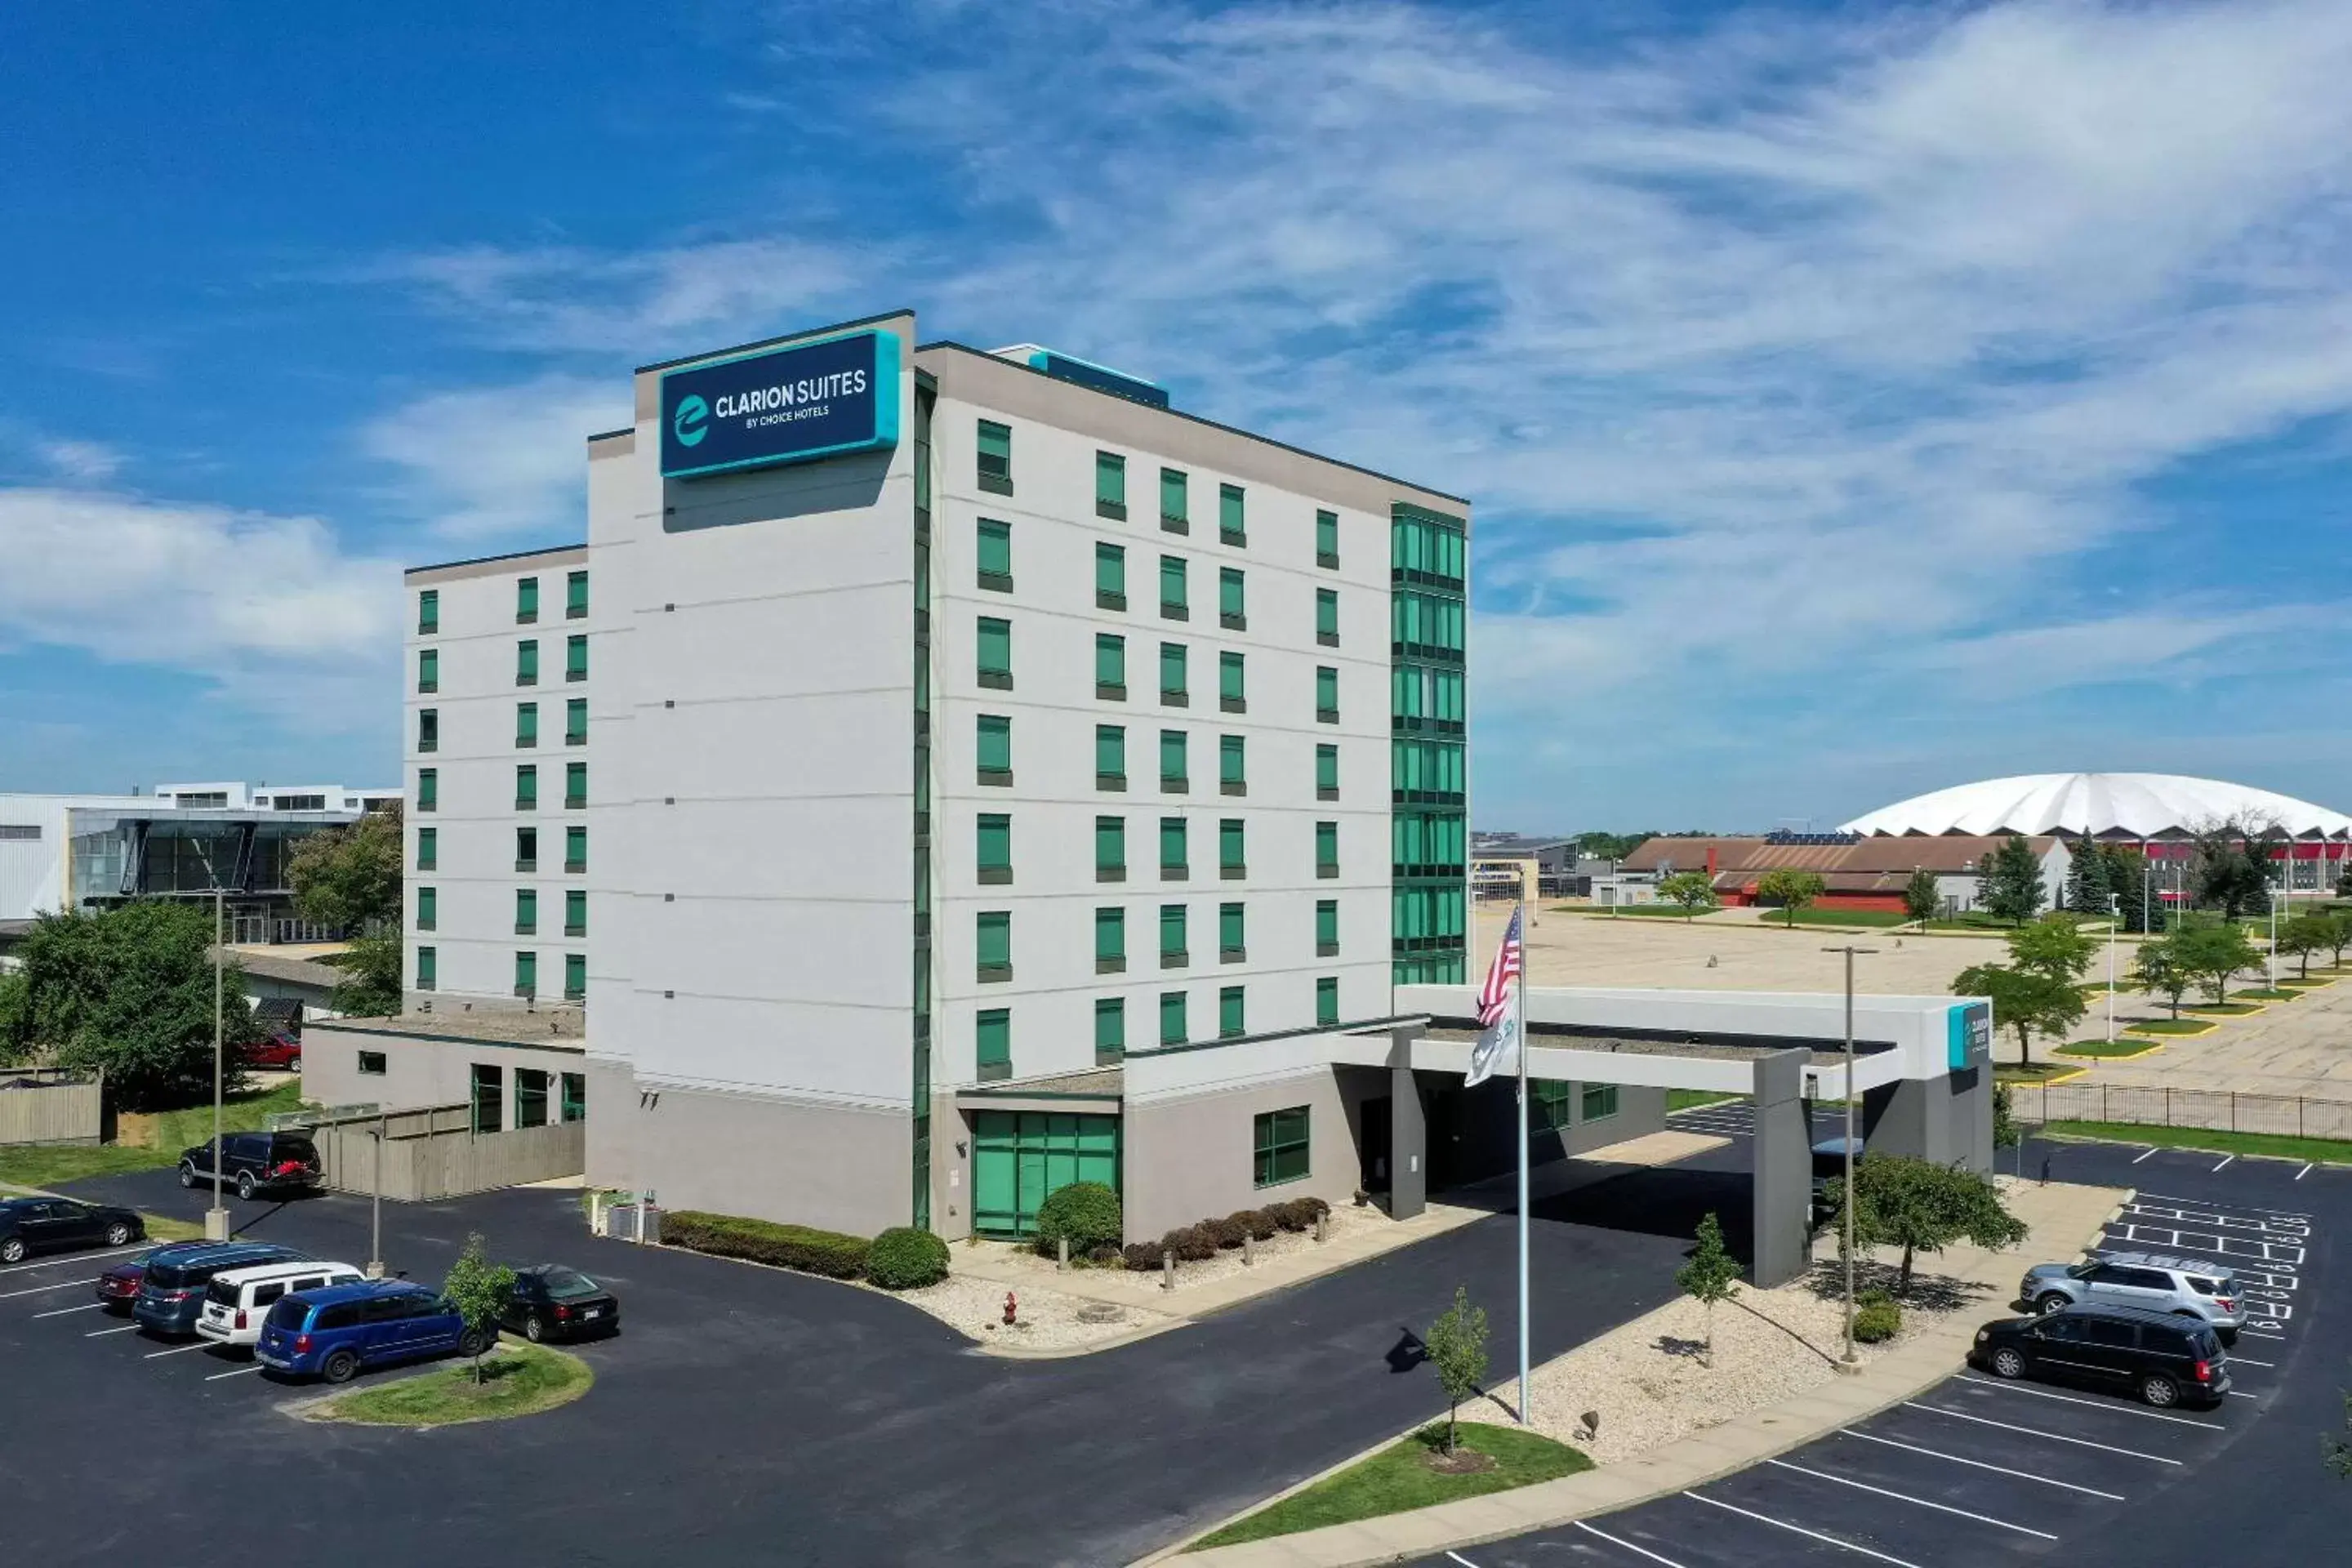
(2155, 1281)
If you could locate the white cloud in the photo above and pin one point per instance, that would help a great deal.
(500, 463)
(81, 460)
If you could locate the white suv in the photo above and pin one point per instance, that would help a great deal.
(238, 1299)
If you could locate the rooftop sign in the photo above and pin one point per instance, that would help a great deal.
(791, 405)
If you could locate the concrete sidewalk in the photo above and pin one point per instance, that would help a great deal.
(2064, 1220)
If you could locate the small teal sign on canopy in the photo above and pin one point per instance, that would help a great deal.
(1968, 1043)
(793, 404)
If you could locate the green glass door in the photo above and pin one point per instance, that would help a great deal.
(1019, 1156)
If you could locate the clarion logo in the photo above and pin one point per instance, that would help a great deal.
(689, 423)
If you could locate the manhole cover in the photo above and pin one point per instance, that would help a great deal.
(1102, 1312)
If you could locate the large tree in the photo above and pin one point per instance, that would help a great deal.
(1791, 889)
(129, 992)
(2230, 870)
(2127, 879)
(2087, 880)
(2212, 952)
(2025, 1000)
(349, 878)
(2009, 883)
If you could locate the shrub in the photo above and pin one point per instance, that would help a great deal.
(1145, 1255)
(1191, 1243)
(1293, 1214)
(1086, 1212)
(1229, 1232)
(1880, 1321)
(1262, 1223)
(813, 1252)
(903, 1258)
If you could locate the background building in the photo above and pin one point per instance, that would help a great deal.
(1859, 873)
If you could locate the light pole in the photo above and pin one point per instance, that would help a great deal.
(217, 1218)
(375, 1205)
(2115, 919)
(1848, 1359)
(2272, 963)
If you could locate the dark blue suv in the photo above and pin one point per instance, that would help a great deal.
(172, 1289)
(332, 1333)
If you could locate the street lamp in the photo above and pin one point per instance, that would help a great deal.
(1848, 1359)
(2115, 919)
(375, 1204)
(217, 1218)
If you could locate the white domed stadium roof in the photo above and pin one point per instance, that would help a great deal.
(2136, 806)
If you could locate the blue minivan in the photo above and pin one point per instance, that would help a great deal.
(332, 1333)
(172, 1288)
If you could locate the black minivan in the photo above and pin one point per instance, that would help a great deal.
(2163, 1358)
(255, 1162)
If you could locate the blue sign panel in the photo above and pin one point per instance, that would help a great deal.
(1968, 1043)
(781, 406)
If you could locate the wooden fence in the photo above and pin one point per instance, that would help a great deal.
(49, 1105)
(432, 1152)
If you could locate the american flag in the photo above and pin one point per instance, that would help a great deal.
(1494, 995)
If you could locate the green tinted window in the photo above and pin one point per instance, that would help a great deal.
(526, 723)
(1171, 846)
(994, 738)
(526, 599)
(1171, 759)
(1110, 570)
(1327, 925)
(1110, 844)
(575, 595)
(1326, 539)
(426, 967)
(1111, 1027)
(429, 908)
(428, 612)
(1281, 1146)
(1232, 759)
(1110, 484)
(1230, 1021)
(1111, 751)
(991, 1039)
(1171, 669)
(1173, 506)
(1326, 613)
(1327, 999)
(1327, 767)
(995, 548)
(526, 913)
(1171, 582)
(1229, 594)
(1230, 670)
(1232, 934)
(1327, 844)
(576, 721)
(1327, 689)
(1110, 932)
(1172, 931)
(1231, 526)
(995, 442)
(1110, 660)
(992, 941)
(995, 650)
(575, 977)
(994, 841)
(1171, 1018)
(429, 848)
(1232, 845)
(576, 911)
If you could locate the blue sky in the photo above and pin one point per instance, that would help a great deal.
(1856, 400)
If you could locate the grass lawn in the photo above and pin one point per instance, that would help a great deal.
(1691, 1098)
(522, 1381)
(1856, 918)
(45, 1164)
(1644, 911)
(2333, 1150)
(2220, 1009)
(1396, 1478)
(2174, 1026)
(247, 1112)
(2119, 1047)
(2265, 994)
(2031, 1072)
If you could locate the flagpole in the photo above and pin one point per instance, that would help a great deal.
(1526, 1387)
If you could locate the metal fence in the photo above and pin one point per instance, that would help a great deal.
(2296, 1115)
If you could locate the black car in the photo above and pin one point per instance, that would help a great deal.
(2162, 1358)
(54, 1225)
(255, 1162)
(549, 1301)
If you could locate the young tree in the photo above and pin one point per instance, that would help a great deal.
(2338, 926)
(1791, 889)
(2055, 946)
(2025, 1000)
(2087, 886)
(475, 1288)
(1921, 1206)
(349, 878)
(2211, 952)
(1711, 1275)
(1456, 1346)
(2231, 870)
(1921, 895)
(2157, 971)
(2009, 884)
(1693, 890)
(2300, 937)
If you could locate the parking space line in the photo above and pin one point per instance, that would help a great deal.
(2305, 1171)
(178, 1350)
(2093, 1404)
(2248, 1208)
(2249, 1361)
(70, 1260)
(2151, 1149)
(243, 1370)
(1906, 1496)
(1799, 1530)
(45, 1289)
(1641, 1551)
(2225, 1160)
(101, 1334)
(61, 1311)
(2038, 1432)
(1981, 1465)
(2235, 1395)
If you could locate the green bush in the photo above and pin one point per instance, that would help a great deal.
(1191, 1243)
(825, 1252)
(1086, 1212)
(1262, 1223)
(903, 1258)
(1881, 1320)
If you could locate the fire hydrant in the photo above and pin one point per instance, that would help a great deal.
(1010, 1308)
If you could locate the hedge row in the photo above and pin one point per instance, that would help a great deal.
(1198, 1243)
(899, 1259)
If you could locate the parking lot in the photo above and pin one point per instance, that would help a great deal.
(1976, 1468)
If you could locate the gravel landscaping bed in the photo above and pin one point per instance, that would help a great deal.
(1047, 1319)
(1343, 1221)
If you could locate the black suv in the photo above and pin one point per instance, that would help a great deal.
(255, 1162)
(2163, 1359)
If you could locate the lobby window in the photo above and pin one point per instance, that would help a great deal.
(576, 911)
(993, 748)
(428, 789)
(526, 724)
(1548, 1103)
(428, 670)
(575, 657)
(994, 639)
(995, 552)
(527, 662)
(1110, 849)
(1110, 939)
(1327, 772)
(1174, 513)
(1327, 999)
(1231, 527)
(1327, 617)
(1110, 756)
(1230, 1020)
(1233, 765)
(527, 786)
(1600, 1103)
(576, 786)
(992, 944)
(1173, 860)
(1327, 928)
(489, 1095)
(1110, 1029)
(427, 965)
(1111, 486)
(1233, 692)
(992, 847)
(1174, 774)
(1171, 674)
(1110, 666)
(1172, 603)
(428, 612)
(429, 848)
(1172, 1030)
(1232, 851)
(1173, 954)
(1232, 936)
(1110, 576)
(526, 601)
(531, 1097)
(428, 729)
(1327, 695)
(1326, 539)
(575, 977)
(575, 850)
(574, 1106)
(995, 472)
(526, 911)
(526, 974)
(1281, 1145)
(525, 848)
(575, 596)
(429, 908)
(372, 1064)
(1326, 850)
(1232, 610)
(991, 1043)
(576, 720)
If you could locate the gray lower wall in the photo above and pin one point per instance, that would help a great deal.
(837, 1167)
(420, 1069)
(1489, 1125)
(1192, 1158)
(1947, 1120)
